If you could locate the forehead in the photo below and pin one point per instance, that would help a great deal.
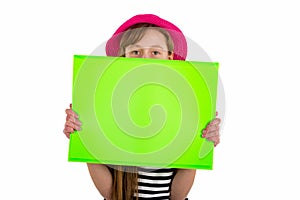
(152, 38)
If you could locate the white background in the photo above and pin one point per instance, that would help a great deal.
(255, 42)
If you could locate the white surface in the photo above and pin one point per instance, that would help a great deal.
(257, 45)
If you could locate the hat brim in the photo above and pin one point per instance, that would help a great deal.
(179, 40)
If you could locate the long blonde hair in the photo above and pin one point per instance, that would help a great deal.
(125, 182)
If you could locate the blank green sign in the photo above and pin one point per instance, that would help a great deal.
(143, 112)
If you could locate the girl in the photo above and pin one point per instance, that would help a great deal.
(144, 36)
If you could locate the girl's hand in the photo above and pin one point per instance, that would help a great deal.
(211, 131)
(72, 122)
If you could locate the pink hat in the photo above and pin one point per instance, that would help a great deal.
(180, 44)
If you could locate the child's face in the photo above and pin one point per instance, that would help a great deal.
(152, 45)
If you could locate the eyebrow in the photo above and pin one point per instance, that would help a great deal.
(138, 46)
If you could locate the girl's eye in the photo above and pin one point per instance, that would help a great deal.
(156, 53)
(135, 52)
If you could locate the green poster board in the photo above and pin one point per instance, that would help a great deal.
(143, 112)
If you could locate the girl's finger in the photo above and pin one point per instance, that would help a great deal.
(72, 125)
(73, 120)
(215, 140)
(71, 113)
(68, 130)
(216, 121)
(211, 134)
(210, 128)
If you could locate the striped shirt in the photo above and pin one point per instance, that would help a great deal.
(154, 183)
